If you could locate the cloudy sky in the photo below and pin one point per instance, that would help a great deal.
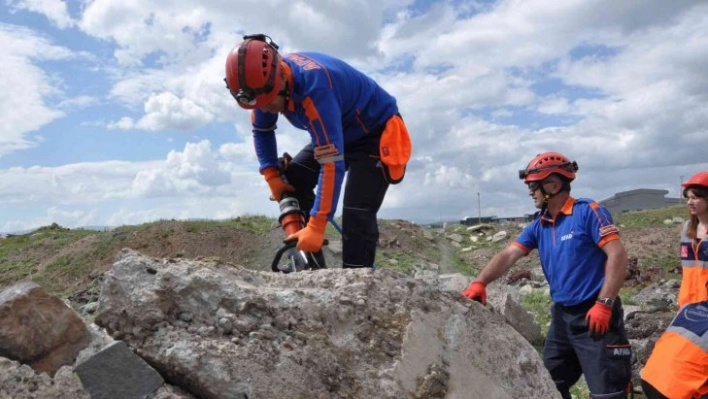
(114, 111)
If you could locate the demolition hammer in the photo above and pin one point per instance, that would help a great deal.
(292, 220)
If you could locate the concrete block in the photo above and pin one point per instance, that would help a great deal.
(118, 373)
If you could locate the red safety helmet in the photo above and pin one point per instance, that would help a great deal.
(543, 165)
(253, 71)
(699, 179)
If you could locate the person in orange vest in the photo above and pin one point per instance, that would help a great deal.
(678, 365)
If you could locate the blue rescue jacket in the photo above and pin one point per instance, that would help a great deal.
(337, 105)
(570, 249)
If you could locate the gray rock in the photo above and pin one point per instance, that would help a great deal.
(335, 247)
(325, 334)
(456, 238)
(116, 372)
(479, 227)
(516, 315)
(500, 236)
(19, 381)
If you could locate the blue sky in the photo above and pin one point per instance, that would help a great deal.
(114, 112)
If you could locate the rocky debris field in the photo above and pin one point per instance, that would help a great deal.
(182, 310)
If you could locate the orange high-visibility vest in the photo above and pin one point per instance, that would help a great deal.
(694, 266)
(678, 365)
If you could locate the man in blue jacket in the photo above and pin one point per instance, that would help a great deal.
(585, 264)
(354, 127)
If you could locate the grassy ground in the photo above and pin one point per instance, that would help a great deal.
(651, 218)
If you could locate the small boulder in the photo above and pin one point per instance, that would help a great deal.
(38, 329)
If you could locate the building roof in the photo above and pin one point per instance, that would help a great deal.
(635, 192)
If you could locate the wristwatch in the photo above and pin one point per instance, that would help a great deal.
(606, 301)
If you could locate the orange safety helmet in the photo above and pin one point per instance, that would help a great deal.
(699, 179)
(543, 165)
(253, 71)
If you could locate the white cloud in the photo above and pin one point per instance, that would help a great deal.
(24, 86)
(618, 86)
(124, 123)
(198, 175)
(236, 151)
(554, 105)
(346, 27)
(54, 10)
(81, 101)
(167, 111)
(186, 46)
(199, 163)
(196, 171)
(82, 183)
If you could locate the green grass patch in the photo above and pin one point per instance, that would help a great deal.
(12, 245)
(258, 224)
(460, 266)
(666, 262)
(395, 261)
(253, 223)
(580, 390)
(65, 270)
(19, 259)
(12, 272)
(627, 295)
(49, 238)
(650, 218)
(538, 302)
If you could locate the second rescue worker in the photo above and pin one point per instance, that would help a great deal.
(585, 263)
(354, 126)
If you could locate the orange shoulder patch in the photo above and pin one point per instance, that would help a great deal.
(609, 229)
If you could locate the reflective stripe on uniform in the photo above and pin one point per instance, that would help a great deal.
(694, 265)
(692, 323)
(331, 159)
(693, 255)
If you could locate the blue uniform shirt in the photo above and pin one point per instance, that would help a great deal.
(570, 249)
(337, 105)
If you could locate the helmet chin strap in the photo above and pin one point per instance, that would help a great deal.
(546, 198)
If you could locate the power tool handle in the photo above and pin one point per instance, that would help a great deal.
(279, 254)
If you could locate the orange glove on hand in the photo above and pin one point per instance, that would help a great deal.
(276, 183)
(598, 320)
(311, 238)
(477, 291)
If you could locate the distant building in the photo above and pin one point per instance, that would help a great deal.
(471, 221)
(516, 219)
(638, 200)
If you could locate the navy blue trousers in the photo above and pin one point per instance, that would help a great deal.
(569, 352)
(364, 191)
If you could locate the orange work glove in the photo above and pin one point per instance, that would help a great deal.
(276, 183)
(311, 238)
(598, 319)
(477, 291)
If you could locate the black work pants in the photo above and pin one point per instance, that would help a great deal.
(569, 352)
(364, 191)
